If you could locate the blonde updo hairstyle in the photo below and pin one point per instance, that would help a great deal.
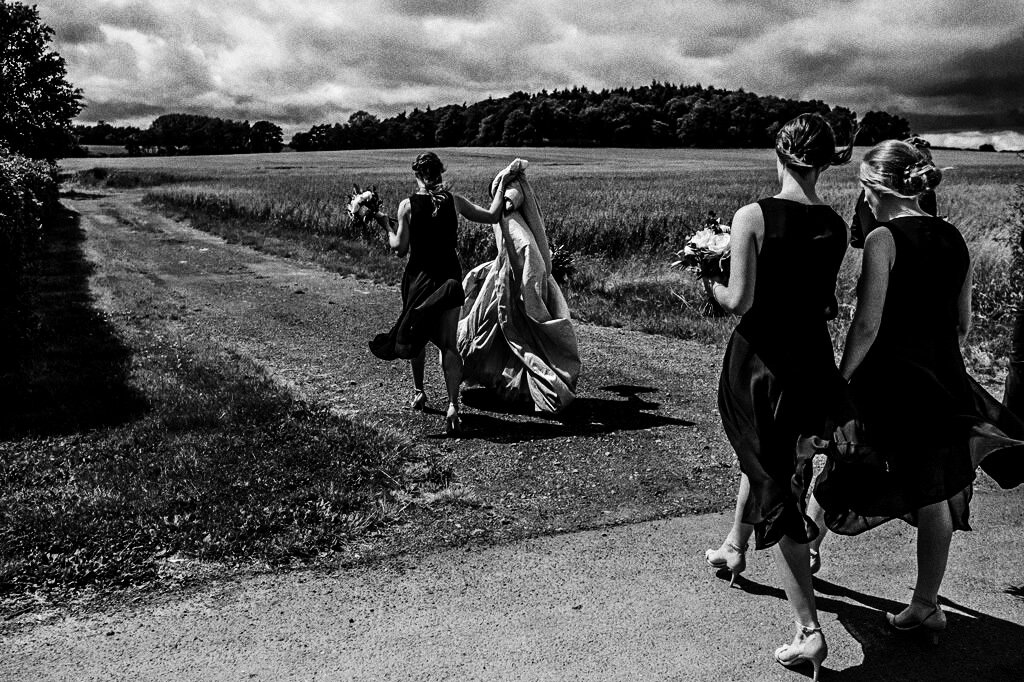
(902, 169)
(808, 142)
(429, 168)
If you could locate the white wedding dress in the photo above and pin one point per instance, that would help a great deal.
(515, 335)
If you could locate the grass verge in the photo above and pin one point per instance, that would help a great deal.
(126, 452)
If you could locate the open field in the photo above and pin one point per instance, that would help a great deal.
(152, 466)
(621, 212)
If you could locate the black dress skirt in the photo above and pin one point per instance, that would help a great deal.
(432, 283)
(930, 421)
(779, 379)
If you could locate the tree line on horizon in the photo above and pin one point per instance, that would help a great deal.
(174, 134)
(655, 115)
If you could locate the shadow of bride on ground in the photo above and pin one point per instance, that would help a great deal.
(974, 646)
(65, 369)
(585, 415)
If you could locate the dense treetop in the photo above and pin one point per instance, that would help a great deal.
(655, 115)
(37, 104)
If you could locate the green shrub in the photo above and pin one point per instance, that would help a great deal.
(28, 195)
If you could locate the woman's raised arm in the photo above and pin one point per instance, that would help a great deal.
(879, 255)
(478, 214)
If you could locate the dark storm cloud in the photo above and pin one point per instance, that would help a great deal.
(444, 8)
(118, 111)
(995, 73)
(80, 32)
(316, 61)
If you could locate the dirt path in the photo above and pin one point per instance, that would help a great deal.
(517, 598)
(642, 441)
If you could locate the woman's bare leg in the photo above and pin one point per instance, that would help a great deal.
(739, 533)
(731, 555)
(795, 573)
(417, 364)
(791, 559)
(451, 361)
(817, 515)
(934, 535)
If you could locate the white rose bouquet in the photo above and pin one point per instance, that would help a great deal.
(706, 254)
(364, 205)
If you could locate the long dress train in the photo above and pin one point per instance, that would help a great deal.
(515, 335)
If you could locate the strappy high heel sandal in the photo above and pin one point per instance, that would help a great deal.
(815, 560)
(452, 422)
(419, 401)
(807, 647)
(730, 557)
(932, 624)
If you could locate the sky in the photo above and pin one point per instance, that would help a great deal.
(948, 65)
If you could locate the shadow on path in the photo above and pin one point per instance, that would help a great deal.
(585, 415)
(64, 368)
(974, 646)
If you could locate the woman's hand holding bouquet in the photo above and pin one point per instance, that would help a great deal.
(706, 254)
(364, 206)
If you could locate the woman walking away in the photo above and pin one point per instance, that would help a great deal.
(863, 223)
(515, 332)
(432, 295)
(779, 367)
(931, 422)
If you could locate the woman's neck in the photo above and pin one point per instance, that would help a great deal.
(800, 188)
(890, 207)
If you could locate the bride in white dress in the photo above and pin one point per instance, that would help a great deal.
(515, 336)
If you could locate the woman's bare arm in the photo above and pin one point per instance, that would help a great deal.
(398, 232)
(478, 214)
(747, 231)
(879, 256)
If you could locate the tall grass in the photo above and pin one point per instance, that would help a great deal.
(622, 212)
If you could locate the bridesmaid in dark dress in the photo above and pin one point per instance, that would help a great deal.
(864, 221)
(779, 366)
(432, 295)
(921, 410)
(862, 224)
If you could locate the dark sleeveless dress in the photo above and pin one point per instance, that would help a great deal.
(432, 283)
(932, 423)
(779, 377)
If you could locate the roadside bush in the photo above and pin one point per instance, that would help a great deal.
(28, 196)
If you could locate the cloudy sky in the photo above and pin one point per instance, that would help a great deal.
(946, 65)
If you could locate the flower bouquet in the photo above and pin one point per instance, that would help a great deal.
(364, 205)
(706, 254)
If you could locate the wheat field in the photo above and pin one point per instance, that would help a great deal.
(621, 212)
